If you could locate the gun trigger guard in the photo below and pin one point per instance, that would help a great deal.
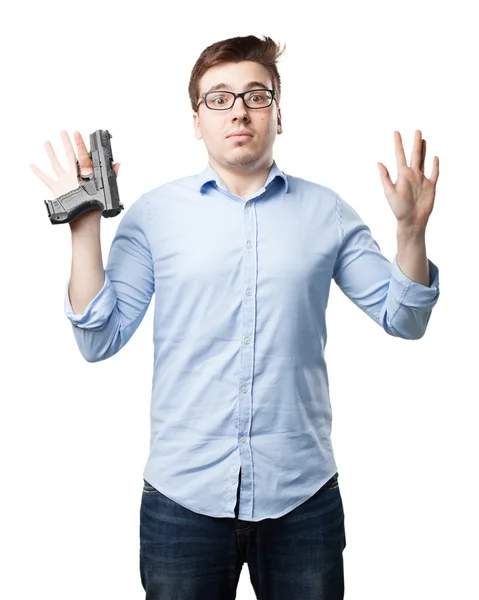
(90, 187)
(81, 178)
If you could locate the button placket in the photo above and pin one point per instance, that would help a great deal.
(247, 332)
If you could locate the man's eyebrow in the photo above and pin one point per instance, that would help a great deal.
(256, 84)
(249, 86)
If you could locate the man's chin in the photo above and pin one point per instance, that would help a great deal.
(242, 156)
(246, 160)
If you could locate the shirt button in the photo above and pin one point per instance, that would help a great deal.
(243, 440)
(246, 340)
(244, 390)
(248, 292)
(234, 469)
(249, 245)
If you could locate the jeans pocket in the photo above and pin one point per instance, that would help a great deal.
(148, 488)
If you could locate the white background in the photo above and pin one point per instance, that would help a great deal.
(74, 436)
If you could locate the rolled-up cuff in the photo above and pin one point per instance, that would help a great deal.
(410, 293)
(97, 311)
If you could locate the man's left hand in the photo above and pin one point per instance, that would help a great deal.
(411, 198)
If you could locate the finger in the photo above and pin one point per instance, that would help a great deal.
(416, 151)
(423, 155)
(41, 175)
(116, 168)
(84, 159)
(386, 179)
(400, 156)
(69, 151)
(435, 170)
(59, 170)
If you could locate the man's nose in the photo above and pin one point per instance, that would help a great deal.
(239, 111)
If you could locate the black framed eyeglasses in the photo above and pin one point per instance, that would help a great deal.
(222, 100)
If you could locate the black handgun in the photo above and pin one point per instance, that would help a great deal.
(98, 190)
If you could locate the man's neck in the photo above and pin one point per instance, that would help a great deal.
(242, 182)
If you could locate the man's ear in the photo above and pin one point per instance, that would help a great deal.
(197, 126)
(280, 124)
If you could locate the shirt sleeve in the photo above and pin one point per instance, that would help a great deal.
(377, 286)
(114, 314)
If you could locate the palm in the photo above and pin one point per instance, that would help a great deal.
(411, 197)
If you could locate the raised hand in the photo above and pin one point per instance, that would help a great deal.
(411, 197)
(67, 177)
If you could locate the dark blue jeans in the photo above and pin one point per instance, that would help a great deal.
(188, 556)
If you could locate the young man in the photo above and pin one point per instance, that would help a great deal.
(241, 257)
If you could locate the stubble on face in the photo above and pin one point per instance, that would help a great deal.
(241, 156)
(245, 155)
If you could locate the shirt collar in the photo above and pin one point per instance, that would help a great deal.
(209, 175)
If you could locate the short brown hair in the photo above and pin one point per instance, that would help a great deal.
(263, 51)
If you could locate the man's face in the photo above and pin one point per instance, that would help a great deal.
(214, 127)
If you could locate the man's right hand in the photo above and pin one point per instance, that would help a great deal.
(67, 178)
(87, 272)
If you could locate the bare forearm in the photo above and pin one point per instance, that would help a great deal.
(411, 254)
(87, 272)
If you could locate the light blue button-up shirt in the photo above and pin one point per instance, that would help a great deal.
(241, 289)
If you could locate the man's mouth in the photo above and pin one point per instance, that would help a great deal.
(239, 134)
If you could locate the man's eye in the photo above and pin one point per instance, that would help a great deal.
(218, 99)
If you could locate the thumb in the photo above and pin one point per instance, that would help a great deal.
(116, 168)
(385, 179)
